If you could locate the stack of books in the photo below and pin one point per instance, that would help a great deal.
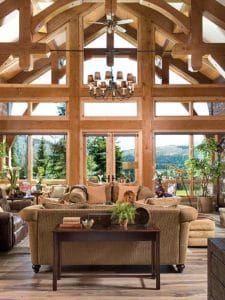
(69, 222)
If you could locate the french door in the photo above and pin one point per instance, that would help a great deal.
(111, 156)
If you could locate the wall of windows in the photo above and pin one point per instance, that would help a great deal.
(171, 152)
(39, 154)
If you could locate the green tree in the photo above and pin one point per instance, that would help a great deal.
(61, 109)
(96, 162)
(41, 158)
(19, 154)
(56, 167)
(96, 148)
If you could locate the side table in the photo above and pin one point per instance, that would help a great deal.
(149, 233)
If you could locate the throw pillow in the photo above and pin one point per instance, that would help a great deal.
(96, 194)
(144, 192)
(166, 202)
(77, 196)
(124, 188)
(57, 191)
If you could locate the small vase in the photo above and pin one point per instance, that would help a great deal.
(123, 224)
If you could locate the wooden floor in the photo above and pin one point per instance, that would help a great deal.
(17, 281)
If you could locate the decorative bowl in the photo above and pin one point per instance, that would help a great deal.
(87, 223)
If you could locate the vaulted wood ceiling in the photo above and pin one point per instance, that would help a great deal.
(178, 35)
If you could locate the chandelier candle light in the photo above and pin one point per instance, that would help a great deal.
(109, 88)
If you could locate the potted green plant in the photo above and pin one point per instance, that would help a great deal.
(12, 178)
(124, 213)
(206, 169)
(40, 175)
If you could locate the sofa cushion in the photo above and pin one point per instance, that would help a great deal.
(68, 205)
(77, 195)
(4, 204)
(144, 192)
(165, 202)
(97, 194)
(57, 191)
(120, 189)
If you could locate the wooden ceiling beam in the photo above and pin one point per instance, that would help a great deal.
(31, 126)
(110, 7)
(179, 66)
(64, 17)
(162, 23)
(18, 48)
(52, 11)
(22, 91)
(214, 11)
(93, 31)
(218, 62)
(204, 49)
(195, 58)
(40, 67)
(7, 7)
(25, 58)
(170, 12)
(188, 125)
(190, 91)
(3, 58)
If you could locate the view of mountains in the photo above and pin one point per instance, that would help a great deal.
(171, 154)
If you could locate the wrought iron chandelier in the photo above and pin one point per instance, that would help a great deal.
(119, 89)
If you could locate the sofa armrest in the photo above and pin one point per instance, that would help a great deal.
(188, 213)
(6, 229)
(5, 218)
(30, 213)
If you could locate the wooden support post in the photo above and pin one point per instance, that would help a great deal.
(74, 77)
(54, 67)
(146, 61)
(195, 59)
(110, 7)
(110, 46)
(165, 68)
(25, 59)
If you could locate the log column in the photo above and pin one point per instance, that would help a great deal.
(146, 64)
(74, 77)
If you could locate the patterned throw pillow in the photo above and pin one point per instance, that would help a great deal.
(124, 188)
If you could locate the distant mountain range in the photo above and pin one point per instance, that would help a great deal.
(171, 154)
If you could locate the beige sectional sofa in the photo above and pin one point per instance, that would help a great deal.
(172, 221)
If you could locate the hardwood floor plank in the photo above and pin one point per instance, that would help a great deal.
(17, 280)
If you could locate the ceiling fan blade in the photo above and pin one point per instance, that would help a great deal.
(101, 23)
(120, 29)
(126, 21)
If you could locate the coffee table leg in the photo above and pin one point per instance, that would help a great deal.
(59, 261)
(153, 248)
(55, 264)
(157, 260)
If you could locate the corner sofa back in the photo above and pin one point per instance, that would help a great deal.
(96, 193)
(173, 223)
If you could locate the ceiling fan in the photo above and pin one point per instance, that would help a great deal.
(113, 25)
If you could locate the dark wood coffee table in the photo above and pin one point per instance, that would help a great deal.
(114, 233)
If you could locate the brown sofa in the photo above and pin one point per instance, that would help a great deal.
(12, 228)
(173, 223)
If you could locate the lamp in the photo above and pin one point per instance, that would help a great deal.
(109, 88)
(130, 165)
